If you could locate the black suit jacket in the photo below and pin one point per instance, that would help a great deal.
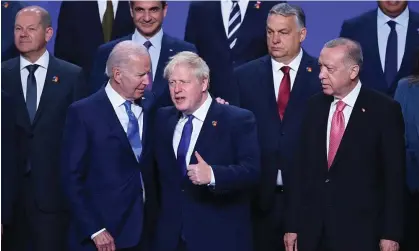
(359, 200)
(40, 142)
(9, 171)
(277, 139)
(80, 33)
(363, 29)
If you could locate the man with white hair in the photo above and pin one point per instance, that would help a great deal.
(208, 163)
(107, 173)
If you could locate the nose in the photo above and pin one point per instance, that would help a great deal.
(177, 87)
(276, 38)
(147, 16)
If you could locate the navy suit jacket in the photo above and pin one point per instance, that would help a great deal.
(102, 177)
(407, 94)
(277, 139)
(205, 29)
(9, 9)
(80, 33)
(170, 47)
(363, 29)
(362, 193)
(40, 142)
(9, 158)
(209, 218)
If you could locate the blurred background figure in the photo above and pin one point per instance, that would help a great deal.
(9, 9)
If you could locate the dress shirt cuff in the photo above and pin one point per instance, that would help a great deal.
(212, 183)
(279, 181)
(97, 233)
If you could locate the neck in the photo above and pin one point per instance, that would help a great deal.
(201, 102)
(347, 90)
(148, 36)
(34, 55)
(286, 60)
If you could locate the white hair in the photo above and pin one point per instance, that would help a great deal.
(190, 59)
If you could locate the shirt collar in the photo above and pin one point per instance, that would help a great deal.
(116, 99)
(402, 19)
(42, 61)
(350, 99)
(202, 111)
(294, 64)
(155, 40)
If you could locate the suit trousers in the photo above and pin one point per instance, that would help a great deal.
(411, 240)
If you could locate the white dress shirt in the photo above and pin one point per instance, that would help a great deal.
(102, 4)
(278, 75)
(40, 75)
(349, 100)
(197, 122)
(383, 31)
(117, 102)
(226, 6)
(154, 50)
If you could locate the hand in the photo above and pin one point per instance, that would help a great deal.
(388, 245)
(199, 174)
(290, 241)
(221, 101)
(104, 242)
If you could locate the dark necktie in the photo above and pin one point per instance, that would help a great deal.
(390, 66)
(133, 131)
(284, 91)
(234, 23)
(147, 45)
(31, 92)
(182, 149)
(107, 21)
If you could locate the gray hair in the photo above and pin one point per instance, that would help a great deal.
(122, 53)
(190, 59)
(287, 10)
(45, 17)
(353, 49)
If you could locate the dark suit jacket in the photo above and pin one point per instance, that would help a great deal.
(363, 29)
(209, 218)
(9, 167)
(170, 47)
(359, 200)
(79, 31)
(407, 94)
(277, 139)
(40, 142)
(8, 14)
(102, 177)
(205, 29)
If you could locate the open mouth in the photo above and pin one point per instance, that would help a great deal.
(180, 99)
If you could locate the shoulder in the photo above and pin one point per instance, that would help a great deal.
(379, 100)
(236, 115)
(66, 66)
(165, 112)
(361, 19)
(180, 44)
(252, 65)
(107, 47)
(10, 63)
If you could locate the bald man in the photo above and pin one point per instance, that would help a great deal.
(43, 88)
(106, 160)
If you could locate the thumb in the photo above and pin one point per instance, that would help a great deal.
(199, 158)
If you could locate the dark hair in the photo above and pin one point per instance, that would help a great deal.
(414, 77)
(163, 3)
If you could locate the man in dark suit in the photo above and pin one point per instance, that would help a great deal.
(107, 170)
(208, 163)
(9, 159)
(391, 35)
(8, 14)
(84, 25)
(227, 34)
(347, 185)
(276, 88)
(148, 18)
(43, 87)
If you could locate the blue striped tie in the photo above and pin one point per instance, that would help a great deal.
(133, 131)
(234, 23)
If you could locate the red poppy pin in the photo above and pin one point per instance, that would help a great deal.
(55, 79)
(309, 69)
(5, 4)
(257, 4)
(214, 123)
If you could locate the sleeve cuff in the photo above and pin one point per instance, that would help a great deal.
(97, 233)
(212, 183)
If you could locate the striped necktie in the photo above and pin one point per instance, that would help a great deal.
(234, 23)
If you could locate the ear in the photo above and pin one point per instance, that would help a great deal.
(354, 72)
(303, 34)
(205, 85)
(49, 32)
(116, 74)
(130, 9)
(165, 9)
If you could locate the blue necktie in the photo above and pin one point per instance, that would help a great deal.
(31, 92)
(390, 66)
(148, 44)
(234, 23)
(133, 131)
(182, 149)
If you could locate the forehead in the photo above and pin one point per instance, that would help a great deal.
(280, 22)
(146, 4)
(182, 71)
(28, 17)
(332, 55)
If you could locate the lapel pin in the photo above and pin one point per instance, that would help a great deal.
(214, 123)
(55, 79)
(5, 4)
(170, 49)
(363, 109)
(308, 69)
(257, 4)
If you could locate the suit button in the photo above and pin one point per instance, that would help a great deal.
(183, 190)
(327, 181)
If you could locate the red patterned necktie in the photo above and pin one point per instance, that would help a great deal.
(336, 131)
(284, 91)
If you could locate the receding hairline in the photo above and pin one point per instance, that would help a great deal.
(45, 18)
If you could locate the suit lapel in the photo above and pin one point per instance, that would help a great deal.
(323, 118)
(166, 51)
(267, 86)
(172, 120)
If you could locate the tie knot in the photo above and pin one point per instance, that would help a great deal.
(392, 24)
(285, 69)
(32, 68)
(189, 117)
(127, 105)
(147, 44)
(340, 105)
